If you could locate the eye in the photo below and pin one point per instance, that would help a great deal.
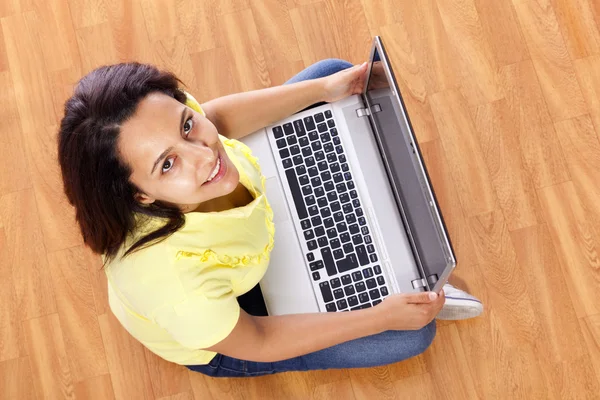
(187, 126)
(168, 164)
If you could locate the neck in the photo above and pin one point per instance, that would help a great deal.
(238, 198)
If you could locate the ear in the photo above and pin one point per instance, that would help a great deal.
(143, 198)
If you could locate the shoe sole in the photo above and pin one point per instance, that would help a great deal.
(462, 309)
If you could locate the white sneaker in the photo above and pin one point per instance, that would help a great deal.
(459, 305)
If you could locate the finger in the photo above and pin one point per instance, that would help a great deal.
(420, 298)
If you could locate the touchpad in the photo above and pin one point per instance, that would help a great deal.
(277, 200)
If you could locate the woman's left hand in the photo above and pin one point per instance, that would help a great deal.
(345, 83)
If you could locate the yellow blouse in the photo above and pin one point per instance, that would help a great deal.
(179, 296)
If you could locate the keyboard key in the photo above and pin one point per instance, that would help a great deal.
(325, 176)
(357, 239)
(328, 147)
(368, 272)
(349, 183)
(352, 301)
(277, 132)
(330, 307)
(288, 128)
(342, 158)
(315, 265)
(362, 221)
(376, 302)
(330, 123)
(336, 140)
(322, 241)
(341, 227)
(361, 252)
(328, 261)
(380, 280)
(309, 234)
(335, 206)
(329, 222)
(281, 143)
(345, 166)
(331, 157)
(316, 146)
(313, 171)
(354, 229)
(312, 245)
(384, 291)
(314, 135)
(348, 263)
(340, 187)
(303, 180)
(339, 149)
(295, 149)
(306, 190)
(337, 178)
(371, 283)
(292, 140)
(319, 231)
(357, 276)
(333, 132)
(335, 283)
(374, 294)
(319, 156)
(335, 243)
(319, 191)
(328, 114)
(329, 186)
(316, 181)
(338, 216)
(325, 212)
(310, 256)
(338, 293)
(296, 193)
(359, 212)
(354, 195)
(347, 208)
(350, 218)
(322, 165)
(313, 210)
(287, 163)
(363, 297)
(356, 203)
(346, 279)
(326, 291)
(319, 117)
(316, 221)
(309, 123)
(316, 276)
(349, 290)
(373, 257)
(345, 237)
(364, 230)
(348, 248)
(304, 141)
(338, 253)
(325, 138)
(322, 201)
(335, 167)
(299, 127)
(284, 153)
(344, 198)
(368, 239)
(331, 233)
(301, 170)
(360, 287)
(322, 127)
(342, 304)
(306, 152)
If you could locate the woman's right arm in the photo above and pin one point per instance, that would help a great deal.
(276, 338)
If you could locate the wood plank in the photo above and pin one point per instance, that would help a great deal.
(86, 13)
(49, 362)
(410, 81)
(3, 56)
(30, 273)
(16, 380)
(588, 72)
(198, 23)
(315, 35)
(459, 138)
(549, 54)
(95, 388)
(126, 361)
(380, 13)
(167, 378)
(549, 294)
(12, 341)
(98, 280)
(419, 386)
(352, 34)
(477, 62)
(334, 390)
(179, 396)
(12, 7)
(448, 200)
(448, 367)
(200, 386)
(230, 6)
(499, 138)
(372, 383)
(501, 29)
(96, 47)
(160, 18)
(284, 386)
(540, 149)
(214, 77)
(14, 171)
(573, 379)
(78, 320)
(173, 55)
(278, 39)
(577, 243)
(590, 327)
(578, 26)
(245, 51)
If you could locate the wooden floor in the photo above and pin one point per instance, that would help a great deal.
(505, 100)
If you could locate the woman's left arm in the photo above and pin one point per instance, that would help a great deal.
(240, 114)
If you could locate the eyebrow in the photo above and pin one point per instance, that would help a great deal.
(167, 151)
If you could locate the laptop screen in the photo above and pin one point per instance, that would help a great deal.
(406, 174)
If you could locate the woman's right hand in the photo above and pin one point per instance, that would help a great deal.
(410, 311)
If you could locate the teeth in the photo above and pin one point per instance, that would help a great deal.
(215, 171)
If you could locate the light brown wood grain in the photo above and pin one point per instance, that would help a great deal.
(197, 22)
(590, 326)
(96, 47)
(588, 73)
(339, 389)
(167, 378)
(12, 341)
(126, 361)
(278, 40)
(173, 55)
(463, 151)
(380, 13)
(16, 379)
(474, 54)
(499, 139)
(501, 29)
(179, 396)
(87, 12)
(539, 147)
(229, 6)
(95, 388)
(200, 386)
(410, 81)
(78, 319)
(26, 255)
(245, 51)
(49, 364)
(286, 386)
(549, 55)
(573, 379)
(213, 75)
(160, 19)
(98, 280)
(419, 386)
(372, 383)
(352, 34)
(314, 33)
(577, 244)
(3, 55)
(579, 27)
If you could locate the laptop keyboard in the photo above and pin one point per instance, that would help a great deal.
(343, 261)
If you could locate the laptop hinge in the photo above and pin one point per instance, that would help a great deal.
(363, 112)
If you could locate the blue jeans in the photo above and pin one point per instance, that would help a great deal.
(370, 351)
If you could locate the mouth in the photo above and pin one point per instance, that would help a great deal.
(218, 171)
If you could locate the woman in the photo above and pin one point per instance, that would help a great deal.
(176, 206)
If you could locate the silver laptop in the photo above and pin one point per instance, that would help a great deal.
(356, 218)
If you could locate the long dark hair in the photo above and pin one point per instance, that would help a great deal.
(95, 178)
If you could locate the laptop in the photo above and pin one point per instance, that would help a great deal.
(356, 218)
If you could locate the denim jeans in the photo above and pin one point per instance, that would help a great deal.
(370, 351)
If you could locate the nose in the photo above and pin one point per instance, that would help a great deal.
(199, 156)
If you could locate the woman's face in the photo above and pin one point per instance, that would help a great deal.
(175, 154)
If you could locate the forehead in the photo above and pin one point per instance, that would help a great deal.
(150, 129)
